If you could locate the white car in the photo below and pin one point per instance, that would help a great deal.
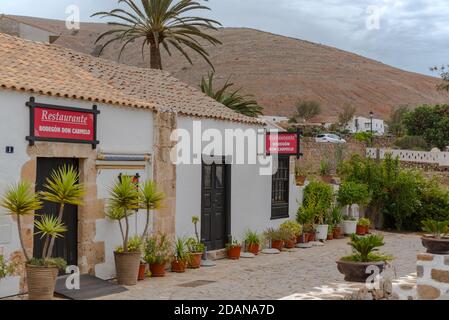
(329, 137)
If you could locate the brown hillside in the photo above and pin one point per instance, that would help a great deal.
(279, 70)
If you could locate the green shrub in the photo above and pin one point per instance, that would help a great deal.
(351, 193)
(292, 227)
(318, 199)
(417, 143)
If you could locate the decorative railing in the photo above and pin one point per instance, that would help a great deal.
(427, 157)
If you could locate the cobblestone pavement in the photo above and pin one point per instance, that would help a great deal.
(270, 276)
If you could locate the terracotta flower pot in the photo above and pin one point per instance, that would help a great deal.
(300, 180)
(127, 267)
(157, 269)
(327, 179)
(234, 253)
(142, 270)
(195, 260)
(312, 236)
(290, 244)
(41, 282)
(361, 230)
(330, 236)
(277, 244)
(178, 266)
(253, 248)
(337, 233)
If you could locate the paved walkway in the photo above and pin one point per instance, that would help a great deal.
(270, 276)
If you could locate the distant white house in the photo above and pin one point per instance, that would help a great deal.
(363, 124)
(274, 119)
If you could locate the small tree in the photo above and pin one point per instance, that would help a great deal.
(396, 121)
(124, 197)
(318, 198)
(150, 199)
(305, 110)
(20, 200)
(353, 193)
(63, 188)
(346, 115)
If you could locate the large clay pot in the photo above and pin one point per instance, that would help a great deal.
(436, 246)
(127, 267)
(277, 244)
(41, 282)
(322, 231)
(178, 266)
(142, 270)
(195, 260)
(356, 271)
(157, 269)
(253, 248)
(234, 253)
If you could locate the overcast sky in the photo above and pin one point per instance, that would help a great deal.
(409, 34)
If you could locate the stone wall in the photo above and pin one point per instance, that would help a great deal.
(433, 276)
(314, 153)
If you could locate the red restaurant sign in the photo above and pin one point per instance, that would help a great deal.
(282, 143)
(51, 123)
(62, 124)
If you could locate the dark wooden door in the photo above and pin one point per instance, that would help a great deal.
(66, 247)
(215, 218)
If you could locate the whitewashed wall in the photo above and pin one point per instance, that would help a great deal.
(430, 157)
(250, 191)
(119, 128)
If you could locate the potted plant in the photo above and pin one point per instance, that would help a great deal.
(150, 199)
(325, 171)
(363, 226)
(277, 237)
(438, 241)
(300, 175)
(157, 254)
(337, 218)
(195, 247)
(181, 257)
(124, 200)
(135, 245)
(62, 187)
(330, 232)
(306, 216)
(354, 267)
(196, 250)
(6, 268)
(252, 242)
(294, 229)
(234, 249)
(318, 198)
(349, 225)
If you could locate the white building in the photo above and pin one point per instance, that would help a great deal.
(128, 116)
(363, 124)
(15, 26)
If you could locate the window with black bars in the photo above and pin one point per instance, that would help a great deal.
(280, 190)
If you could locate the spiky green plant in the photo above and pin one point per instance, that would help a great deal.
(252, 238)
(181, 250)
(63, 187)
(157, 23)
(124, 196)
(364, 248)
(49, 228)
(232, 99)
(150, 199)
(438, 228)
(20, 200)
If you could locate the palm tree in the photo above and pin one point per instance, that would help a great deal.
(124, 198)
(20, 200)
(63, 188)
(231, 99)
(160, 23)
(150, 199)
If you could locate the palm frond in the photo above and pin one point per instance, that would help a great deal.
(63, 187)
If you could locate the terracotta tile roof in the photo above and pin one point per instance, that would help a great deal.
(56, 71)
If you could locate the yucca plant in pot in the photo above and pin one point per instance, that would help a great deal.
(354, 267)
(195, 247)
(438, 241)
(181, 256)
(233, 248)
(293, 228)
(252, 241)
(123, 201)
(157, 254)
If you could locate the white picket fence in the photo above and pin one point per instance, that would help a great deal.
(428, 157)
